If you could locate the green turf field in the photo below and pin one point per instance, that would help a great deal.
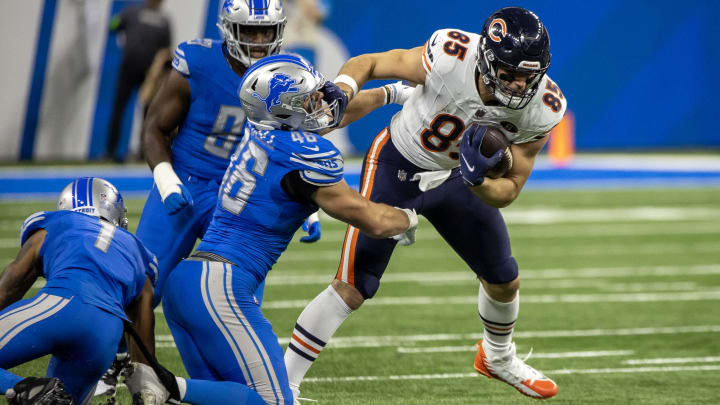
(620, 301)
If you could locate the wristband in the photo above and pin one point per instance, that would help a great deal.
(388, 94)
(166, 180)
(345, 79)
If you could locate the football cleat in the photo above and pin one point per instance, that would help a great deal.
(513, 371)
(109, 381)
(39, 391)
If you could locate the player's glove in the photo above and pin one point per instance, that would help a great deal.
(332, 92)
(152, 388)
(473, 165)
(408, 237)
(397, 93)
(312, 227)
(175, 196)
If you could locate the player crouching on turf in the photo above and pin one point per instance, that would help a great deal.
(281, 172)
(96, 272)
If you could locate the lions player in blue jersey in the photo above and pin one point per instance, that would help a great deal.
(96, 272)
(281, 172)
(193, 126)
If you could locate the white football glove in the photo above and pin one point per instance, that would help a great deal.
(408, 237)
(397, 93)
(145, 382)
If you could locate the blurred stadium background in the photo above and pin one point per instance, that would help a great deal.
(619, 244)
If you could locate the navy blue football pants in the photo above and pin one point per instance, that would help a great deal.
(474, 229)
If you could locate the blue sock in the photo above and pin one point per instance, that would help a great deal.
(203, 392)
(8, 380)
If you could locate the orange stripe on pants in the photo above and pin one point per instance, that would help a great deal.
(346, 270)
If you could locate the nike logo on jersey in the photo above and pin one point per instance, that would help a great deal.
(432, 43)
(314, 148)
(471, 168)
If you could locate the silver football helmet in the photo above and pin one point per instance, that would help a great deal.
(243, 22)
(282, 92)
(94, 196)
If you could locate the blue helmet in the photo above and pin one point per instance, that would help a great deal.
(515, 39)
(94, 196)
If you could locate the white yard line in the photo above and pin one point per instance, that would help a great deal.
(393, 341)
(448, 376)
(533, 278)
(535, 355)
(672, 360)
(711, 295)
(604, 250)
(283, 278)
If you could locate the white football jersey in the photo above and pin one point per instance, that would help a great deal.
(428, 129)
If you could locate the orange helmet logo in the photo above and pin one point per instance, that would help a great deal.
(492, 31)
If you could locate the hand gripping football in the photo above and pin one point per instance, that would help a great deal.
(493, 141)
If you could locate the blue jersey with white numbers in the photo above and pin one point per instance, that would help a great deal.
(214, 121)
(101, 264)
(255, 219)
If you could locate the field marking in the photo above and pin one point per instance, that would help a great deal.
(400, 340)
(556, 278)
(605, 249)
(282, 278)
(557, 355)
(447, 376)
(710, 295)
(566, 231)
(673, 360)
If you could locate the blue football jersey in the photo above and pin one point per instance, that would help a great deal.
(213, 124)
(255, 219)
(102, 264)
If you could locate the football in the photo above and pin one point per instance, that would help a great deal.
(493, 141)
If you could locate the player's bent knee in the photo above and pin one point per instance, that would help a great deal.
(504, 292)
(352, 297)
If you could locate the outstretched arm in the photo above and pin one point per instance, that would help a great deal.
(375, 220)
(402, 64)
(21, 273)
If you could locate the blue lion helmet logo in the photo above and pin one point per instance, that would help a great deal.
(279, 85)
(227, 6)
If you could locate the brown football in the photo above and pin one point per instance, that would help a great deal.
(493, 141)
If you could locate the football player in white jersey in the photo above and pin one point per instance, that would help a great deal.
(428, 159)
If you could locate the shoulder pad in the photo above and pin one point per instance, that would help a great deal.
(442, 52)
(32, 223)
(319, 161)
(552, 105)
(185, 52)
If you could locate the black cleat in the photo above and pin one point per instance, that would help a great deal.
(39, 391)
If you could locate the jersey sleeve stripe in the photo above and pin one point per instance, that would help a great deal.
(426, 64)
(319, 179)
(180, 63)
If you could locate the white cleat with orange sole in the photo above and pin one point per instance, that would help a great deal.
(513, 371)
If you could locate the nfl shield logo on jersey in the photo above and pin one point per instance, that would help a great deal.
(402, 175)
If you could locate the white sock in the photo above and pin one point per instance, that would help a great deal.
(315, 326)
(498, 318)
